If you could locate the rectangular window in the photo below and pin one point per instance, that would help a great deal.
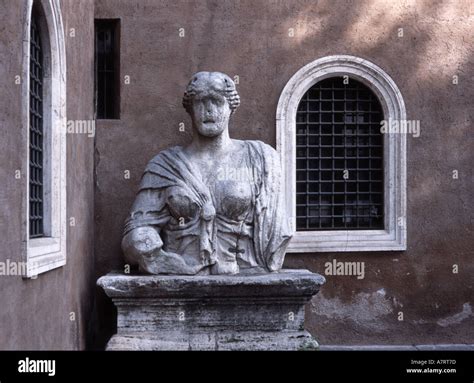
(107, 68)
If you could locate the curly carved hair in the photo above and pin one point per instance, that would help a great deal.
(215, 81)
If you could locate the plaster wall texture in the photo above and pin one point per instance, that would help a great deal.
(251, 40)
(36, 313)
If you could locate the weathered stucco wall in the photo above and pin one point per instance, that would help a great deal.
(35, 314)
(251, 39)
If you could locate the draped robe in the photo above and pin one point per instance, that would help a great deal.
(245, 226)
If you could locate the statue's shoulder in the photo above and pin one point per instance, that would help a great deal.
(166, 154)
(265, 150)
(163, 160)
(258, 145)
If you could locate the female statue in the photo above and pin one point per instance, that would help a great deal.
(214, 206)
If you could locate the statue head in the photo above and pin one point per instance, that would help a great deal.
(210, 99)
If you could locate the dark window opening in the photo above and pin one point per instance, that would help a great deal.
(339, 158)
(36, 144)
(107, 72)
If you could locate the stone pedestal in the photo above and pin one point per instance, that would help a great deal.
(217, 312)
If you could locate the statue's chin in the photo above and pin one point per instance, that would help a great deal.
(210, 130)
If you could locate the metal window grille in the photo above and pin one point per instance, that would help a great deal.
(339, 157)
(107, 71)
(36, 179)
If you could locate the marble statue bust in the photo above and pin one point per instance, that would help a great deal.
(214, 206)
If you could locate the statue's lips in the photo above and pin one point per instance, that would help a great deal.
(209, 122)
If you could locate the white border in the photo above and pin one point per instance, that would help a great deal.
(49, 252)
(394, 235)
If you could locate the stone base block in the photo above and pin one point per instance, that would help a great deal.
(216, 312)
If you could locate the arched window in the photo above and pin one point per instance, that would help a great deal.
(36, 179)
(339, 157)
(346, 180)
(44, 133)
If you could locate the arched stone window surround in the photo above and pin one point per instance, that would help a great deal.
(393, 237)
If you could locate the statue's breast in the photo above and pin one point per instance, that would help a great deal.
(234, 199)
(181, 205)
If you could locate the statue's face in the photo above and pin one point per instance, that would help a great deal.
(210, 114)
